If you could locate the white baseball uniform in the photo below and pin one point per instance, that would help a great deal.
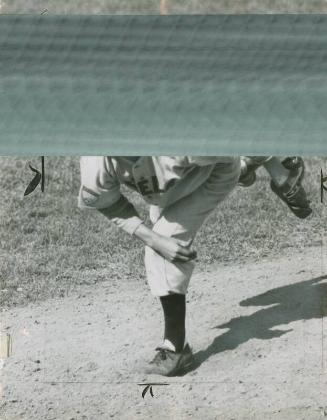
(181, 190)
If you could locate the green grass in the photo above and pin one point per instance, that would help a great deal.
(49, 246)
(152, 6)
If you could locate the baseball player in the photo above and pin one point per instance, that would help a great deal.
(182, 191)
(286, 180)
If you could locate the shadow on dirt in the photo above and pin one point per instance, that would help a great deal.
(295, 302)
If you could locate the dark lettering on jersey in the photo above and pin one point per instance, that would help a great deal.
(148, 186)
(143, 187)
(155, 185)
(171, 183)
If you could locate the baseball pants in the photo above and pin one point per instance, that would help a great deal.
(182, 220)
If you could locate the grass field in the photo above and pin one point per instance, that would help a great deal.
(173, 6)
(49, 246)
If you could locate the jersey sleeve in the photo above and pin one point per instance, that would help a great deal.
(100, 190)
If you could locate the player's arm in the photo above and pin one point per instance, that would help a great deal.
(100, 190)
(127, 218)
(170, 248)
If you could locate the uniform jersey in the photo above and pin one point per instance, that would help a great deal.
(161, 180)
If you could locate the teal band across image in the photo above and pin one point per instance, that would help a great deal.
(163, 85)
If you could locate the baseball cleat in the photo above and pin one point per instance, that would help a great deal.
(292, 191)
(248, 175)
(170, 363)
(295, 162)
(247, 179)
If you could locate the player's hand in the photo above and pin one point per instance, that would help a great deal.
(173, 250)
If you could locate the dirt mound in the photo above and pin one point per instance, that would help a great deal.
(257, 331)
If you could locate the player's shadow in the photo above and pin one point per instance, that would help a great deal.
(298, 301)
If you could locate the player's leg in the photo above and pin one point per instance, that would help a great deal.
(277, 171)
(288, 185)
(286, 180)
(169, 280)
(249, 165)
